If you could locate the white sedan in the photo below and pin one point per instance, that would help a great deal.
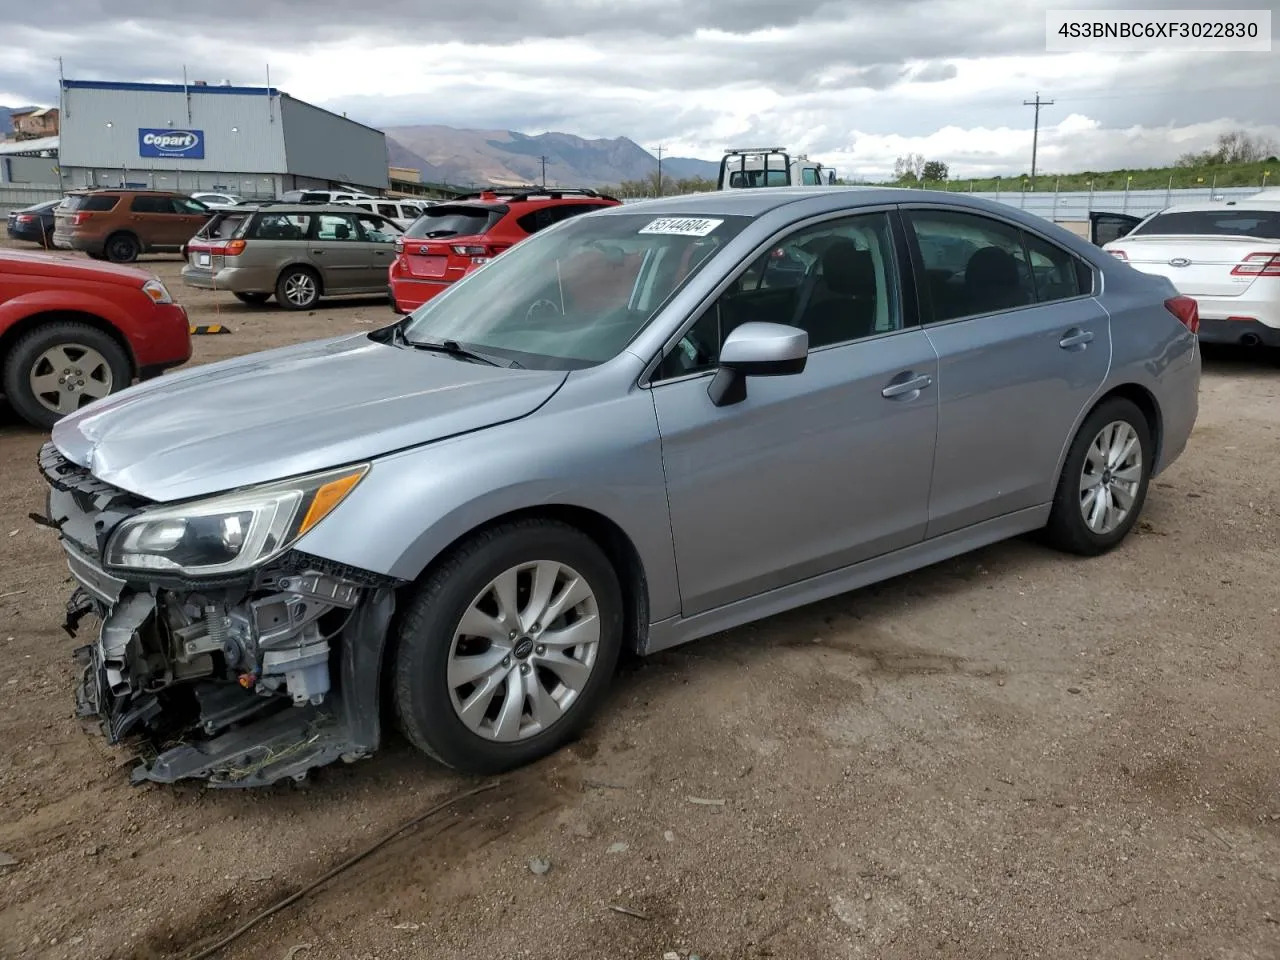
(1225, 255)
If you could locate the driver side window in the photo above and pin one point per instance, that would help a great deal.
(836, 280)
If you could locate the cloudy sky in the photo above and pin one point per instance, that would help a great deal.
(855, 82)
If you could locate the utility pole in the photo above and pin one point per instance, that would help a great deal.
(660, 148)
(543, 160)
(1035, 135)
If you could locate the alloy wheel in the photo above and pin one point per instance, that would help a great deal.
(524, 651)
(1111, 477)
(67, 376)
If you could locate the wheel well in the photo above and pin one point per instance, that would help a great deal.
(24, 326)
(302, 266)
(609, 537)
(1141, 397)
(123, 233)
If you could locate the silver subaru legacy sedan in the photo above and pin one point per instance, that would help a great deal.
(638, 427)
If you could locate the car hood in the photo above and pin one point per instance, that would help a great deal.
(290, 411)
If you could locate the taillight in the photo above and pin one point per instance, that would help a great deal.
(232, 248)
(1258, 265)
(399, 245)
(1186, 310)
(25, 218)
(80, 218)
(1118, 254)
(470, 250)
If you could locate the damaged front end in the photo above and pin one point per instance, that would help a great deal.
(240, 678)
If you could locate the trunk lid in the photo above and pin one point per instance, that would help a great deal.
(448, 240)
(1198, 266)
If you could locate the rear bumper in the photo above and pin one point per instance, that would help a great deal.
(230, 279)
(1246, 332)
(30, 232)
(409, 294)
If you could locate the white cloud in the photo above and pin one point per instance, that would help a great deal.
(856, 85)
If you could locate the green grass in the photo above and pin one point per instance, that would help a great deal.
(1228, 175)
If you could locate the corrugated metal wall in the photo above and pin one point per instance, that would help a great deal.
(99, 129)
(328, 147)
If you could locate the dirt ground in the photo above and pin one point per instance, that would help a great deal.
(1010, 755)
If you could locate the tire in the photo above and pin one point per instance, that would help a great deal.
(298, 288)
(121, 248)
(107, 372)
(253, 299)
(1068, 529)
(428, 702)
(95, 256)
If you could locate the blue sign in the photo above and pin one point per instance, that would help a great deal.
(174, 144)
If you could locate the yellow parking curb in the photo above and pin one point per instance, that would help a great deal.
(209, 328)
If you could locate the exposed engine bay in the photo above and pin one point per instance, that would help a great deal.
(238, 682)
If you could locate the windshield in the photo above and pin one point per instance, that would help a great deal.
(576, 294)
(1234, 222)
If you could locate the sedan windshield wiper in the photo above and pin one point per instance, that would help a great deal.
(455, 349)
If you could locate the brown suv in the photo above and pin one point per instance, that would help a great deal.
(118, 225)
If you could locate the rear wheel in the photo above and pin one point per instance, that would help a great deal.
(122, 248)
(508, 647)
(256, 299)
(1104, 480)
(60, 367)
(298, 288)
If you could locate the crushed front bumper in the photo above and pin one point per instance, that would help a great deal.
(238, 682)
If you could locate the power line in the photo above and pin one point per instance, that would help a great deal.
(1035, 135)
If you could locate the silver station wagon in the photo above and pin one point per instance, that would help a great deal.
(295, 252)
(639, 427)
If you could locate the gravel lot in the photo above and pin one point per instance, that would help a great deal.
(1010, 755)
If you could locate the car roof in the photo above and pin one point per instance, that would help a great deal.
(756, 201)
(1211, 206)
(280, 206)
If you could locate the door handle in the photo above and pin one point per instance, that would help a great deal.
(912, 385)
(1075, 338)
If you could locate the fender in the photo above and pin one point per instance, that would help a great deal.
(63, 300)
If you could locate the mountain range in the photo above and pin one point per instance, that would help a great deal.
(505, 158)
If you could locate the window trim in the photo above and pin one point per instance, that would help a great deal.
(907, 298)
(924, 295)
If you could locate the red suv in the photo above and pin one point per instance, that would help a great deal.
(72, 331)
(450, 239)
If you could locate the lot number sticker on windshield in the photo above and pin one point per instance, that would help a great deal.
(682, 226)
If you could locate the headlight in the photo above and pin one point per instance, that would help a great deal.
(231, 533)
(157, 291)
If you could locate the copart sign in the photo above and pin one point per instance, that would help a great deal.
(175, 144)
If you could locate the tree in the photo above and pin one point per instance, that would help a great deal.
(909, 167)
(1235, 146)
(935, 170)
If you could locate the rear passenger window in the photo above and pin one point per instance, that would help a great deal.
(336, 227)
(411, 211)
(388, 210)
(145, 204)
(1054, 271)
(538, 219)
(972, 265)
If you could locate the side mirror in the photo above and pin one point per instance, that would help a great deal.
(757, 350)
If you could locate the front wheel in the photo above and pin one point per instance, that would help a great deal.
(508, 646)
(60, 367)
(1104, 480)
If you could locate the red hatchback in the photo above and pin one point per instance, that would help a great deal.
(451, 239)
(73, 331)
